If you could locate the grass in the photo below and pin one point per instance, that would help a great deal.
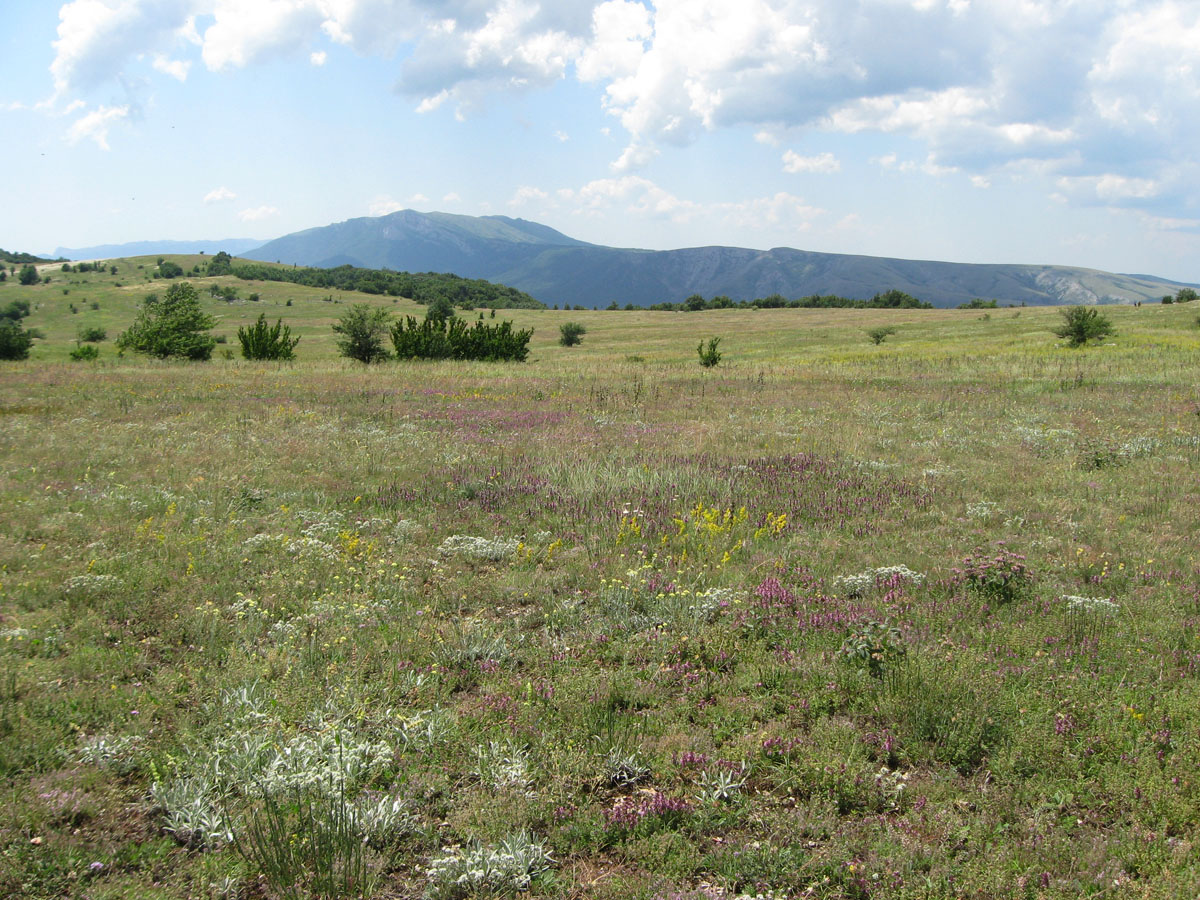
(579, 627)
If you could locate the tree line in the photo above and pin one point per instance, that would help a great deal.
(892, 299)
(422, 287)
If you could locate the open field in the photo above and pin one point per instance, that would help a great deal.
(598, 625)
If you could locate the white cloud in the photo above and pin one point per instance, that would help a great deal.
(176, 68)
(95, 125)
(318, 58)
(452, 197)
(823, 163)
(218, 195)
(258, 213)
(561, 136)
(383, 205)
(526, 194)
(1084, 90)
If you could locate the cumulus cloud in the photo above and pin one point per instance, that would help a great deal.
(95, 125)
(823, 163)
(1083, 90)
(383, 205)
(258, 213)
(217, 195)
(318, 57)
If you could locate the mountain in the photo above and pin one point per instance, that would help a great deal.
(235, 246)
(558, 269)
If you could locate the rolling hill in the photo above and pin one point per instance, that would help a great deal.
(558, 269)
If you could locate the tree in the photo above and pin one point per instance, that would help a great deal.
(362, 331)
(439, 308)
(264, 342)
(879, 335)
(571, 333)
(709, 356)
(15, 340)
(173, 326)
(169, 269)
(29, 275)
(1082, 324)
(1186, 295)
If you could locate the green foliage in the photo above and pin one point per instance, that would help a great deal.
(710, 355)
(439, 308)
(423, 287)
(875, 647)
(571, 333)
(15, 341)
(263, 341)
(978, 303)
(453, 339)
(15, 310)
(28, 275)
(174, 326)
(221, 264)
(91, 334)
(7, 256)
(362, 330)
(309, 847)
(879, 335)
(169, 269)
(1082, 324)
(1186, 295)
(85, 352)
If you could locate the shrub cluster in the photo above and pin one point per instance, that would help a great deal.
(451, 338)
(262, 341)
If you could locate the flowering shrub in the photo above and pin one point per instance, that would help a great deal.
(628, 813)
(1001, 576)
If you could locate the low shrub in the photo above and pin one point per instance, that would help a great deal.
(451, 338)
(264, 341)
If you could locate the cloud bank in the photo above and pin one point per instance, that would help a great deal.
(1101, 96)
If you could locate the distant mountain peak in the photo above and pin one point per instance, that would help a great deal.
(556, 268)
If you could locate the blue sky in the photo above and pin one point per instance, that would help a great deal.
(1038, 131)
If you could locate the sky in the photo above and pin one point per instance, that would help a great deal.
(1007, 131)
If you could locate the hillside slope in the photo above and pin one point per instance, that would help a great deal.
(558, 269)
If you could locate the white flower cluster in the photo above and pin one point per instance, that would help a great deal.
(475, 869)
(866, 581)
(1090, 604)
(479, 549)
(87, 586)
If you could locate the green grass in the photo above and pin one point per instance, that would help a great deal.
(233, 602)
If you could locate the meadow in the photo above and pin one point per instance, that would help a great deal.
(833, 619)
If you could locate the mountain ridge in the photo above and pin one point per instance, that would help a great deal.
(558, 269)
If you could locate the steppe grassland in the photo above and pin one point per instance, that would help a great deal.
(603, 613)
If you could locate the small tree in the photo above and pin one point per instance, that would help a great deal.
(173, 326)
(879, 335)
(439, 309)
(709, 356)
(15, 340)
(1186, 295)
(266, 342)
(29, 275)
(571, 333)
(362, 331)
(1082, 324)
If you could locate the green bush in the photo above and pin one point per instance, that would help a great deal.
(85, 353)
(879, 335)
(362, 330)
(453, 339)
(571, 333)
(91, 334)
(28, 275)
(709, 356)
(174, 326)
(1082, 324)
(15, 310)
(15, 341)
(263, 341)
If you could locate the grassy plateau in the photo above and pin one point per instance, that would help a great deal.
(832, 619)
